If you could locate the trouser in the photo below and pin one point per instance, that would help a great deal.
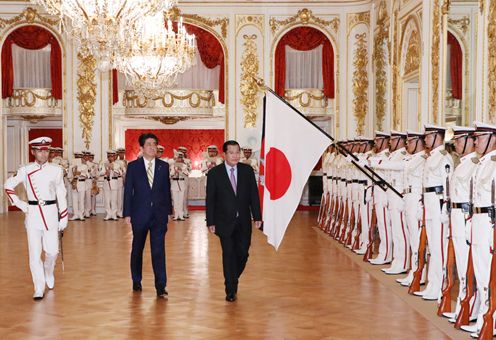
(87, 202)
(458, 227)
(93, 204)
(78, 199)
(157, 249)
(365, 216)
(120, 197)
(384, 227)
(235, 256)
(412, 208)
(68, 189)
(482, 243)
(401, 244)
(48, 241)
(178, 202)
(437, 238)
(110, 202)
(185, 197)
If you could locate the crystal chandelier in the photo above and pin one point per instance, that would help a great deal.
(155, 57)
(101, 27)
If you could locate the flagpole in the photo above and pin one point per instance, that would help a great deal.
(379, 181)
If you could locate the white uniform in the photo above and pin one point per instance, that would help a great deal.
(178, 173)
(78, 172)
(121, 176)
(460, 197)
(44, 186)
(187, 161)
(480, 231)
(365, 196)
(89, 198)
(109, 189)
(434, 176)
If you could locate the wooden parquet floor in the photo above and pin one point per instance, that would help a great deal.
(310, 289)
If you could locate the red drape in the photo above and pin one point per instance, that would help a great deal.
(195, 140)
(33, 38)
(115, 87)
(305, 39)
(211, 53)
(456, 66)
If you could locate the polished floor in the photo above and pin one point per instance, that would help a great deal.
(312, 288)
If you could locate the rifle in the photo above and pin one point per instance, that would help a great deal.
(327, 222)
(352, 225)
(372, 232)
(321, 208)
(463, 317)
(326, 211)
(417, 275)
(449, 270)
(334, 216)
(487, 330)
(356, 241)
(344, 221)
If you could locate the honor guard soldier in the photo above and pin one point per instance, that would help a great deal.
(77, 175)
(160, 153)
(251, 161)
(110, 177)
(481, 228)
(187, 161)
(434, 181)
(365, 196)
(121, 177)
(95, 190)
(381, 144)
(412, 197)
(178, 173)
(463, 139)
(211, 159)
(46, 212)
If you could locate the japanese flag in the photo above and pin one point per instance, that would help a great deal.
(292, 145)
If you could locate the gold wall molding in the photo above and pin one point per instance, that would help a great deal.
(249, 74)
(304, 17)
(245, 20)
(360, 82)
(166, 120)
(412, 60)
(358, 18)
(381, 46)
(435, 47)
(29, 15)
(481, 6)
(395, 71)
(461, 24)
(175, 13)
(491, 72)
(86, 95)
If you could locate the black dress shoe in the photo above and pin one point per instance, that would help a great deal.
(137, 286)
(231, 297)
(162, 293)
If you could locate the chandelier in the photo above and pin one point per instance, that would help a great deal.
(156, 55)
(101, 27)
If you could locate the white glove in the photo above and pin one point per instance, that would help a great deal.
(22, 205)
(63, 224)
(420, 212)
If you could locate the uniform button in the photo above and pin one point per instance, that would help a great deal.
(151, 204)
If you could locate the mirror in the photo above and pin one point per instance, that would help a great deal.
(460, 26)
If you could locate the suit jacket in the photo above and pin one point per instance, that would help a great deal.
(143, 203)
(223, 204)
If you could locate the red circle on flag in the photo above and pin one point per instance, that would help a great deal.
(277, 173)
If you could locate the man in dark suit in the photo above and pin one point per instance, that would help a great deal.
(147, 206)
(232, 200)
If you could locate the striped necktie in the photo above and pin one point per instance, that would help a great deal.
(149, 173)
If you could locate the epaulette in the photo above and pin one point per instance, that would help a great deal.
(387, 154)
(475, 160)
(443, 152)
(493, 158)
(403, 153)
(425, 156)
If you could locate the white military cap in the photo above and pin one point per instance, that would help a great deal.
(247, 148)
(160, 147)
(182, 148)
(41, 143)
(413, 134)
(430, 128)
(484, 128)
(382, 134)
(460, 131)
(111, 152)
(120, 150)
(214, 147)
(395, 133)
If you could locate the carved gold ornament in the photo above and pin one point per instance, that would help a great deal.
(412, 62)
(167, 120)
(195, 98)
(360, 82)
(491, 32)
(249, 87)
(395, 72)
(174, 13)
(304, 17)
(358, 18)
(306, 98)
(381, 43)
(29, 15)
(436, 45)
(462, 24)
(86, 95)
(255, 20)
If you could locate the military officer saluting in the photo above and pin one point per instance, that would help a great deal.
(178, 174)
(46, 212)
(187, 161)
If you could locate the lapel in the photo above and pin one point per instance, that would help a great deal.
(227, 180)
(144, 174)
(158, 168)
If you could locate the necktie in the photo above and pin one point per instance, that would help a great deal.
(149, 173)
(233, 180)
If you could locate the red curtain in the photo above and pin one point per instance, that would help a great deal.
(211, 53)
(54, 134)
(456, 66)
(305, 39)
(195, 140)
(115, 87)
(33, 38)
